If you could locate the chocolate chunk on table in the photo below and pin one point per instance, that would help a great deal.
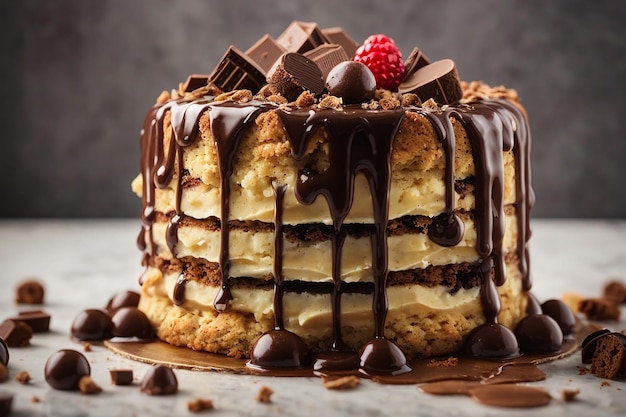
(121, 376)
(30, 292)
(15, 333)
(37, 320)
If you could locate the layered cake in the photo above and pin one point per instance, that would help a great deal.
(312, 201)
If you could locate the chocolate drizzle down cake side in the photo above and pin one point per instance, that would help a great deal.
(298, 214)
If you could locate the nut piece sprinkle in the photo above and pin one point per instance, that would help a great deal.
(86, 385)
(23, 377)
(264, 395)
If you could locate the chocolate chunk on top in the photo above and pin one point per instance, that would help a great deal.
(301, 37)
(439, 81)
(415, 61)
(338, 36)
(195, 81)
(236, 71)
(294, 73)
(265, 52)
(327, 56)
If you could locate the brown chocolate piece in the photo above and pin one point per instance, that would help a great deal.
(615, 291)
(23, 377)
(342, 383)
(131, 322)
(439, 81)
(195, 81)
(236, 72)
(198, 405)
(609, 356)
(352, 81)
(15, 333)
(159, 380)
(65, 368)
(599, 309)
(338, 36)
(92, 324)
(121, 376)
(4, 373)
(569, 395)
(562, 314)
(511, 396)
(294, 73)
(265, 395)
(265, 52)
(122, 299)
(415, 61)
(38, 320)
(539, 333)
(29, 292)
(6, 403)
(301, 37)
(327, 56)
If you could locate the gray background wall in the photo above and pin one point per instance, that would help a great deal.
(77, 77)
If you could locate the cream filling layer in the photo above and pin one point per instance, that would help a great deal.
(251, 253)
(310, 314)
(253, 199)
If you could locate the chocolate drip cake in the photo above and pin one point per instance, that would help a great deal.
(333, 211)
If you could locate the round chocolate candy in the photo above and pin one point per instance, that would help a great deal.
(123, 299)
(159, 380)
(381, 356)
(92, 324)
(562, 314)
(539, 333)
(4, 352)
(65, 368)
(353, 81)
(279, 349)
(131, 322)
(492, 341)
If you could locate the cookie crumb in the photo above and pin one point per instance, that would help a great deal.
(199, 404)
(86, 385)
(265, 395)
(346, 382)
(605, 384)
(569, 395)
(87, 346)
(23, 377)
(444, 363)
(35, 399)
(599, 309)
(29, 292)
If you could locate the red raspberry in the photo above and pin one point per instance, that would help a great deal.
(384, 59)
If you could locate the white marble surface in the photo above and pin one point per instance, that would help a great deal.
(84, 262)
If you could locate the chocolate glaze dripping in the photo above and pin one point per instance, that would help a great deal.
(228, 124)
(179, 290)
(359, 142)
(279, 290)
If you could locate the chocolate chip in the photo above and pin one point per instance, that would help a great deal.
(38, 320)
(121, 376)
(539, 333)
(131, 322)
(439, 81)
(353, 81)
(6, 403)
(123, 299)
(294, 73)
(562, 314)
(65, 368)
(4, 352)
(92, 324)
(159, 380)
(15, 333)
(29, 292)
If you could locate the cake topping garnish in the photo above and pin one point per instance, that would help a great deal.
(294, 73)
(265, 52)
(415, 61)
(237, 71)
(439, 81)
(338, 36)
(352, 81)
(301, 37)
(382, 56)
(327, 56)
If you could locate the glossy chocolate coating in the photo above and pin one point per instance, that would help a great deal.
(65, 368)
(492, 340)
(131, 322)
(279, 349)
(538, 333)
(92, 324)
(4, 352)
(353, 81)
(562, 314)
(382, 356)
(589, 344)
(123, 299)
(159, 380)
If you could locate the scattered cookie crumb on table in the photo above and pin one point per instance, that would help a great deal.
(265, 395)
(23, 377)
(199, 404)
(569, 395)
(346, 382)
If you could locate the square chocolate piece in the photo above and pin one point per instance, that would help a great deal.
(338, 36)
(237, 72)
(265, 52)
(301, 37)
